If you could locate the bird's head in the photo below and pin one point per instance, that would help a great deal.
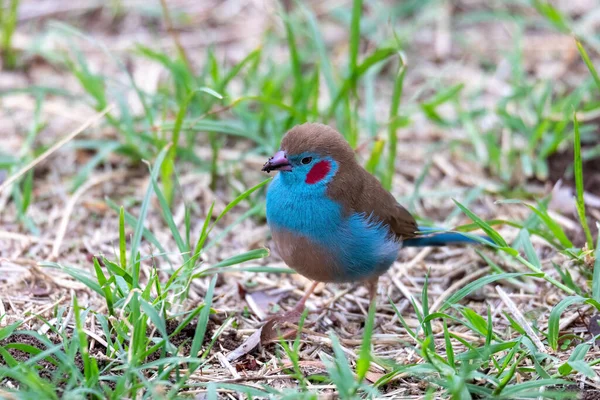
(310, 154)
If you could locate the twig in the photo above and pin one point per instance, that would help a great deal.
(43, 310)
(565, 322)
(23, 238)
(225, 363)
(520, 319)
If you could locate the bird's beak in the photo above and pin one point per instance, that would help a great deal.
(278, 162)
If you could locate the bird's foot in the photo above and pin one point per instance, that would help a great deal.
(291, 317)
(282, 325)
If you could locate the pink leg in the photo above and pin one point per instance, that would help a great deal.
(372, 286)
(300, 305)
(272, 325)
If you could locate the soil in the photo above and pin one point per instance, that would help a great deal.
(46, 369)
(183, 340)
(559, 163)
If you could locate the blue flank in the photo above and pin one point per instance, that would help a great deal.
(440, 239)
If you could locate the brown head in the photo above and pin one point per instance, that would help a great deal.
(308, 140)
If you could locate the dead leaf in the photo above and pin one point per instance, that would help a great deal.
(248, 364)
(241, 290)
(269, 332)
(246, 347)
(41, 289)
(272, 328)
(373, 376)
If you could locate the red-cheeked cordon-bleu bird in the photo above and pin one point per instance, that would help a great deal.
(331, 220)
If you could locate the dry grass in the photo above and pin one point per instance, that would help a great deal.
(73, 226)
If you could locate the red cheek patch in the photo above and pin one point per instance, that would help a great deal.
(318, 172)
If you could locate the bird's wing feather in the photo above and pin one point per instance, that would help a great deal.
(361, 192)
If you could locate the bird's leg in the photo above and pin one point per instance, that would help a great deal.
(372, 286)
(299, 308)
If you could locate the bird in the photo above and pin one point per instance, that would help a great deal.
(330, 219)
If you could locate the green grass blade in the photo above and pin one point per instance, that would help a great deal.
(491, 232)
(294, 58)
(203, 233)
(578, 166)
(355, 35)
(364, 358)
(393, 126)
(525, 241)
(202, 322)
(376, 57)
(427, 329)
(133, 222)
(108, 296)
(318, 41)
(241, 197)
(139, 228)
(240, 258)
(588, 62)
(168, 217)
(90, 366)
(8, 330)
(476, 285)
(554, 319)
(122, 239)
(373, 161)
(554, 227)
(596, 276)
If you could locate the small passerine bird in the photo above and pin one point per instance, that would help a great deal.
(331, 220)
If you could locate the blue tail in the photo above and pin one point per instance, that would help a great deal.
(431, 238)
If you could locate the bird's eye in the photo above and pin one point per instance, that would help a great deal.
(306, 160)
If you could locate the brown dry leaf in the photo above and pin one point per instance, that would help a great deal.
(272, 329)
(373, 376)
(269, 332)
(247, 364)
(41, 289)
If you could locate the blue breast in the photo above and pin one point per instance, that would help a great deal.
(362, 247)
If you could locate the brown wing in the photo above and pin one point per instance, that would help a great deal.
(359, 191)
(402, 223)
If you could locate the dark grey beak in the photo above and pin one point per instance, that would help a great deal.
(278, 162)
